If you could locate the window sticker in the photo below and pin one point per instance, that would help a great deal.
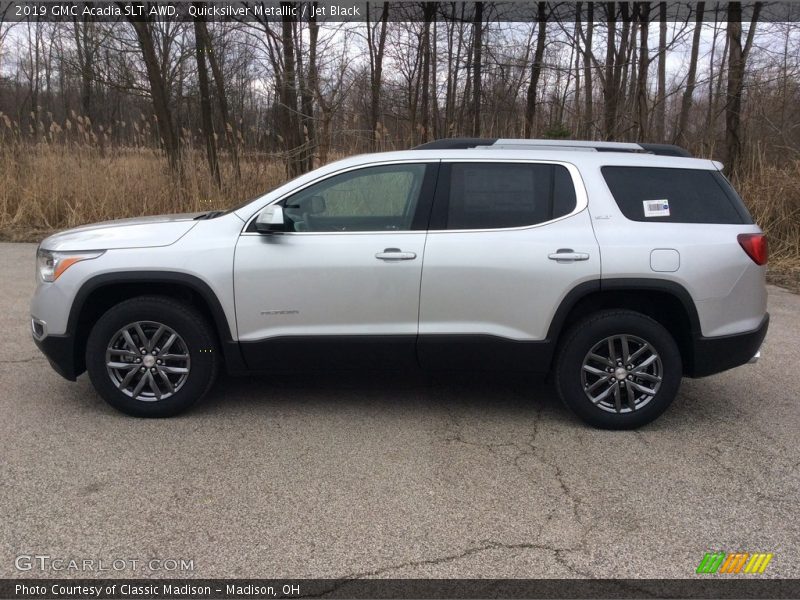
(656, 208)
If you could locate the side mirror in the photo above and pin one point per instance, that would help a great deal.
(270, 220)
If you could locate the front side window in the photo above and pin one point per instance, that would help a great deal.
(381, 198)
(502, 195)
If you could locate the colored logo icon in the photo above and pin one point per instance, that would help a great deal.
(739, 562)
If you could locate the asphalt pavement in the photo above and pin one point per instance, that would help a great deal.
(393, 476)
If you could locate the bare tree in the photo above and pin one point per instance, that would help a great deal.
(307, 81)
(477, 47)
(425, 81)
(228, 124)
(610, 91)
(644, 65)
(159, 90)
(205, 97)
(289, 121)
(691, 78)
(737, 59)
(588, 56)
(536, 69)
(660, 107)
(376, 44)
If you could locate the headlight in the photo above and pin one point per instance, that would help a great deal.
(50, 265)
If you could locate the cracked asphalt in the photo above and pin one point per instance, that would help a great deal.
(397, 476)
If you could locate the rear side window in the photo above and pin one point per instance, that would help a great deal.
(501, 195)
(652, 194)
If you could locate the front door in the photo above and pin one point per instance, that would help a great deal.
(340, 289)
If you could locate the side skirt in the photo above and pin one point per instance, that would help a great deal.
(397, 352)
(457, 352)
(331, 353)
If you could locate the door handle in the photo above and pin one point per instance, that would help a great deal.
(567, 255)
(395, 254)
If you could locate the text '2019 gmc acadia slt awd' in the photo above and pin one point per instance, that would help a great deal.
(619, 268)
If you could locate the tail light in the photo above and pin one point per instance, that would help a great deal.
(756, 246)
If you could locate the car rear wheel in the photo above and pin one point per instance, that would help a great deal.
(618, 369)
(151, 356)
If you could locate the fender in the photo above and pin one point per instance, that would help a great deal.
(230, 348)
(622, 284)
(657, 285)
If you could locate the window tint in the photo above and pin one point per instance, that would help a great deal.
(675, 195)
(498, 195)
(372, 199)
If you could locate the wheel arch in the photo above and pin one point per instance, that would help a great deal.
(101, 292)
(667, 302)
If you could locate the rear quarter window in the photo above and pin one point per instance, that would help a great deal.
(653, 194)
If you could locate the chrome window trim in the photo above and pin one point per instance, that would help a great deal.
(581, 197)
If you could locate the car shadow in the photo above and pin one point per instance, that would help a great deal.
(516, 394)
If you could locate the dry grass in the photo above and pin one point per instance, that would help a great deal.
(46, 187)
(773, 196)
(54, 185)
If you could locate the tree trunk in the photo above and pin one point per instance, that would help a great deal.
(661, 91)
(588, 100)
(289, 122)
(691, 79)
(716, 91)
(376, 72)
(609, 89)
(464, 121)
(536, 70)
(231, 130)
(158, 94)
(425, 129)
(308, 83)
(577, 65)
(476, 69)
(205, 100)
(644, 66)
(85, 53)
(737, 59)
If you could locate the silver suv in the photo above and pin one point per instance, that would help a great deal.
(617, 268)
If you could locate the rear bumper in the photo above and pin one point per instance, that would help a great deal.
(715, 354)
(60, 351)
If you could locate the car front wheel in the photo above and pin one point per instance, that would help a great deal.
(618, 369)
(151, 356)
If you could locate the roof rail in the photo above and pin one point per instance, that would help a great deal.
(667, 150)
(535, 144)
(456, 143)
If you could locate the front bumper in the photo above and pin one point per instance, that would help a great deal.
(716, 354)
(60, 351)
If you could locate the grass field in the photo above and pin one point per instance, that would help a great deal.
(47, 187)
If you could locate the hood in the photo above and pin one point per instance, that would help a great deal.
(141, 232)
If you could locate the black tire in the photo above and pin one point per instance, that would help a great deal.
(573, 382)
(195, 339)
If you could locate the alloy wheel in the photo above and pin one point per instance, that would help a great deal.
(148, 361)
(621, 373)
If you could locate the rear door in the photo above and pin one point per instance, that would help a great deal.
(508, 240)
